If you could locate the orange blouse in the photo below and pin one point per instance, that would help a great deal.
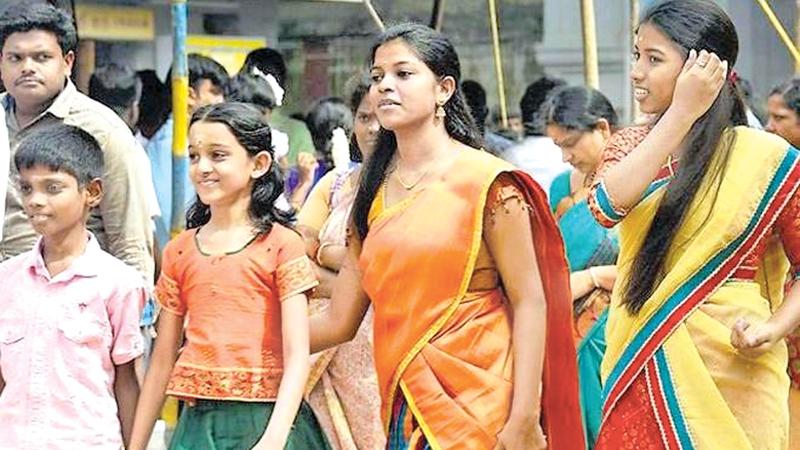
(233, 348)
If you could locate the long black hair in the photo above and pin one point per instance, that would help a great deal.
(699, 25)
(246, 123)
(437, 52)
(578, 108)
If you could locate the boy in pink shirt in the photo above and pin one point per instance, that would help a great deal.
(69, 312)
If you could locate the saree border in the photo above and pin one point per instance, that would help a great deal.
(606, 207)
(426, 429)
(448, 313)
(668, 409)
(690, 294)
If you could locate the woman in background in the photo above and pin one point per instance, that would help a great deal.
(342, 386)
(580, 120)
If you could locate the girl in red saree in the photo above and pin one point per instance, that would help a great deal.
(465, 269)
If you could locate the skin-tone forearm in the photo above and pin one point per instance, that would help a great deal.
(581, 284)
(787, 317)
(339, 323)
(294, 326)
(300, 193)
(756, 339)
(646, 161)
(326, 279)
(523, 286)
(151, 400)
(530, 328)
(332, 256)
(126, 392)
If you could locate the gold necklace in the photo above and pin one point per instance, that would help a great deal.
(406, 185)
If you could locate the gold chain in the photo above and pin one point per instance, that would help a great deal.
(406, 185)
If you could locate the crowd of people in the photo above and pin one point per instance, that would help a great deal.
(391, 270)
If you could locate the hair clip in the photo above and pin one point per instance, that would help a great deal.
(733, 77)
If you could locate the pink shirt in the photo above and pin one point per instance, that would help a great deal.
(60, 339)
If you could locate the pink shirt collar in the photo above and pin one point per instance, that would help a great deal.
(85, 265)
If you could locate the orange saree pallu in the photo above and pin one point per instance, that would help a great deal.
(443, 354)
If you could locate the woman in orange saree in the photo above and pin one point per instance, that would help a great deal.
(464, 267)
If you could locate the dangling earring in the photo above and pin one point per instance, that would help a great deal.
(440, 112)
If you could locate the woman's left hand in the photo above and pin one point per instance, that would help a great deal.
(521, 435)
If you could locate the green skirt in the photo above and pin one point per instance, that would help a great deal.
(230, 425)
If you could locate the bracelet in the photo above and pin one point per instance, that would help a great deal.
(319, 252)
(594, 277)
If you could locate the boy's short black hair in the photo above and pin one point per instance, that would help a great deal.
(62, 148)
(204, 68)
(535, 95)
(201, 68)
(116, 86)
(26, 16)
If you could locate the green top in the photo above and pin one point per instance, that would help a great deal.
(299, 137)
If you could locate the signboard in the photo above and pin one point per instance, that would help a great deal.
(230, 51)
(115, 23)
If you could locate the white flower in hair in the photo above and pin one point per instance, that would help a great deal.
(280, 143)
(340, 149)
(273, 84)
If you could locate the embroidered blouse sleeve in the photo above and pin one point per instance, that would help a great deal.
(167, 292)
(295, 273)
(788, 228)
(505, 199)
(607, 212)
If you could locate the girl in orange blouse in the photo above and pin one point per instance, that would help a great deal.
(237, 278)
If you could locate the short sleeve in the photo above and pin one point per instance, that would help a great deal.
(295, 273)
(788, 228)
(317, 208)
(505, 198)
(124, 308)
(167, 290)
(602, 206)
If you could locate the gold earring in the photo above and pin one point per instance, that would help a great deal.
(440, 112)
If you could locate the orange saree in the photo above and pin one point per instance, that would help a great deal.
(443, 348)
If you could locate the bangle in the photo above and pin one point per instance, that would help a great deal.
(319, 252)
(593, 277)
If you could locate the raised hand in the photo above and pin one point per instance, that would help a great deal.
(699, 84)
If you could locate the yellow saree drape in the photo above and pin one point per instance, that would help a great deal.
(672, 366)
